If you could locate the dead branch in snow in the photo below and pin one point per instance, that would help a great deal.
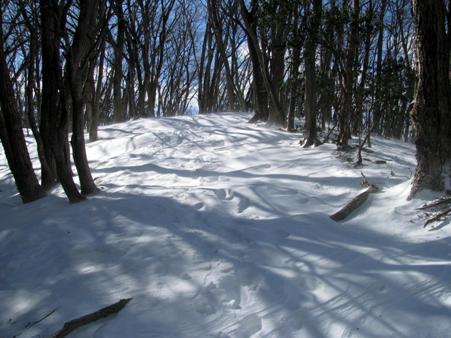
(437, 216)
(74, 324)
(354, 204)
(436, 203)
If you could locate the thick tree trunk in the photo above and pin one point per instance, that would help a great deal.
(50, 82)
(431, 114)
(12, 137)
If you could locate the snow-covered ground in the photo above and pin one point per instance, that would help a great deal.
(220, 228)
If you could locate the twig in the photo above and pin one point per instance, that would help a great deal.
(74, 324)
(435, 203)
(437, 217)
(365, 182)
(31, 324)
(359, 152)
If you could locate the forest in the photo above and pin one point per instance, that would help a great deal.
(351, 67)
(245, 168)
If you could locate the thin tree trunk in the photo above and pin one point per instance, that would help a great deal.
(348, 79)
(76, 70)
(378, 94)
(54, 119)
(118, 46)
(310, 105)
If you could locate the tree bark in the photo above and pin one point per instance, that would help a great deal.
(11, 134)
(276, 115)
(48, 174)
(378, 95)
(310, 105)
(258, 86)
(77, 71)
(348, 78)
(431, 112)
(118, 46)
(54, 120)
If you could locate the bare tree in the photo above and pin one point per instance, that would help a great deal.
(11, 133)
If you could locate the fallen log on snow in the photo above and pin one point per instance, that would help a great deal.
(354, 204)
(74, 324)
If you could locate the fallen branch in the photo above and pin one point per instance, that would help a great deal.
(355, 203)
(437, 216)
(436, 203)
(74, 324)
(365, 182)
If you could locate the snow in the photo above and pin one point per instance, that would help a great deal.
(220, 228)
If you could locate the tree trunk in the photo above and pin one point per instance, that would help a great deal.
(431, 113)
(310, 105)
(277, 115)
(327, 76)
(54, 119)
(48, 176)
(294, 90)
(357, 119)
(378, 95)
(349, 78)
(217, 29)
(258, 87)
(118, 46)
(77, 72)
(12, 137)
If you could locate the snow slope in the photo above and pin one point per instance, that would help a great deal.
(219, 228)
